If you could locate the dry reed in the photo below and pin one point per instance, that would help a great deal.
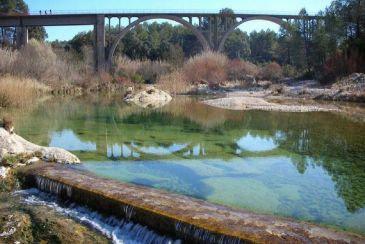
(175, 83)
(37, 61)
(19, 92)
(207, 66)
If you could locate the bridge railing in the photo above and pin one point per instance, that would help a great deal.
(160, 11)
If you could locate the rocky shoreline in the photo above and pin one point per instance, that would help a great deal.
(261, 101)
(13, 146)
(16, 152)
(27, 223)
(293, 97)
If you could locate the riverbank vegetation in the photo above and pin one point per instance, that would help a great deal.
(171, 57)
(33, 70)
(326, 49)
(19, 92)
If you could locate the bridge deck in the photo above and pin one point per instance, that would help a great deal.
(90, 18)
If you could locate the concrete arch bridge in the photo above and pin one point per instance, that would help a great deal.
(211, 29)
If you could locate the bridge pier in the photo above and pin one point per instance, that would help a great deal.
(99, 30)
(21, 36)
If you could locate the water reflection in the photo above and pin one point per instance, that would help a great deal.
(256, 143)
(117, 151)
(196, 151)
(68, 140)
(160, 150)
(285, 162)
(128, 150)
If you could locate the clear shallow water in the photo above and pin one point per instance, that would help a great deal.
(308, 166)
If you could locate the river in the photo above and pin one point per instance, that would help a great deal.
(307, 166)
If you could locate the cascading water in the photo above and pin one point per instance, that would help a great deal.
(128, 211)
(206, 236)
(52, 186)
(119, 231)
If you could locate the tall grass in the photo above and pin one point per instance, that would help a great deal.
(37, 61)
(239, 70)
(137, 71)
(126, 67)
(62, 71)
(207, 66)
(175, 83)
(19, 92)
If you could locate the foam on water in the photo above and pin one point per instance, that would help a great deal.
(119, 231)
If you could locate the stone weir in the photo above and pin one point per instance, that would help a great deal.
(182, 217)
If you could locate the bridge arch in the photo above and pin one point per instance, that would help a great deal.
(233, 28)
(179, 20)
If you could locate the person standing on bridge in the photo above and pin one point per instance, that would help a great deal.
(40, 12)
(50, 11)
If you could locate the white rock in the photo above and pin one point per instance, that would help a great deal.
(150, 98)
(32, 160)
(4, 171)
(13, 144)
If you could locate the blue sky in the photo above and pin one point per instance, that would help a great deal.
(265, 6)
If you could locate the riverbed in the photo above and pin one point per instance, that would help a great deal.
(307, 166)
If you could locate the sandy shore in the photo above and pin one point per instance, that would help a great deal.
(262, 100)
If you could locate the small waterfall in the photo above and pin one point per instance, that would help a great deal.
(204, 235)
(119, 231)
(128, 212)
(54, 187)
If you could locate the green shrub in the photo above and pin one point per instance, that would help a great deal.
(137, 78)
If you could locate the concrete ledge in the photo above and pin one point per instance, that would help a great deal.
(186, 218)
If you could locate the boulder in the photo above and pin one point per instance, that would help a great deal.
(12, 144)
(149, 98)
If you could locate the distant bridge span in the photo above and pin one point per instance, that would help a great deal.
(211, 29)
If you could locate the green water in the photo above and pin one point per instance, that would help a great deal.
(308, 166)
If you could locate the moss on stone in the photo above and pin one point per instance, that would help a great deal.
(40, 224)
(10, 183)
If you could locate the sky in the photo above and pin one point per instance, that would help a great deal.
(249, 6)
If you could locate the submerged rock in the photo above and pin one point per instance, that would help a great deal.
(12, 145)
(150, 98)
